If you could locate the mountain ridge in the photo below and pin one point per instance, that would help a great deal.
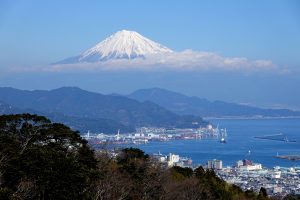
(182, 104)
(78, 103)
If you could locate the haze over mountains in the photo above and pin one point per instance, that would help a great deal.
(126, 58)
(150, 107)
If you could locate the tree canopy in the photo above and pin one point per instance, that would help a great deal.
(43, 160)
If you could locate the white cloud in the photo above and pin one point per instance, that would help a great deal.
(187, 60)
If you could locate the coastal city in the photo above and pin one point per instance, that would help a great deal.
(278, 181)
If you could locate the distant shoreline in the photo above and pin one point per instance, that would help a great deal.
(254, 117)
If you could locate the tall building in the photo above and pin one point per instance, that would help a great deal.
(214, 164)
(172, 159)
(239, 163)
(210, 164)
(218, 164)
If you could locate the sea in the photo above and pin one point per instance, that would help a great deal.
(241, 143)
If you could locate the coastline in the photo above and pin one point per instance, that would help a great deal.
(250, 117)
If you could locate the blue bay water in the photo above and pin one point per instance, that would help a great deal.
(240, 141)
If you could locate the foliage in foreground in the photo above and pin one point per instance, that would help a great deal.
(44, 160)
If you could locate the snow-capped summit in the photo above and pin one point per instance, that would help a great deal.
(121, 45)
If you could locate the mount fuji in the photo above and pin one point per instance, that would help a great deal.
(121, 45)
(130, 50)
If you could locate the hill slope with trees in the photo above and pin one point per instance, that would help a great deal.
(74, 103)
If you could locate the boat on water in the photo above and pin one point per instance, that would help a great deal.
(223, 134)
(223, 140)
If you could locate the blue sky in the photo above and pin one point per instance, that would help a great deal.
(35, 33)
(39, 32)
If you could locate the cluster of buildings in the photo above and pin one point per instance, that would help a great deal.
(247, 175)
(242, 165)
(247, 165)
(171, 160)
(278, 181)
(215, 164)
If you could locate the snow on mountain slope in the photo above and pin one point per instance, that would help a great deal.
(121, 45)
(129, 50)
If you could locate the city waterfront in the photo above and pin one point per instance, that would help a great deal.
(241, 143)
(251, 157)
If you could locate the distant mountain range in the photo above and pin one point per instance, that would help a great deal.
(85, 110)
(183, 105)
